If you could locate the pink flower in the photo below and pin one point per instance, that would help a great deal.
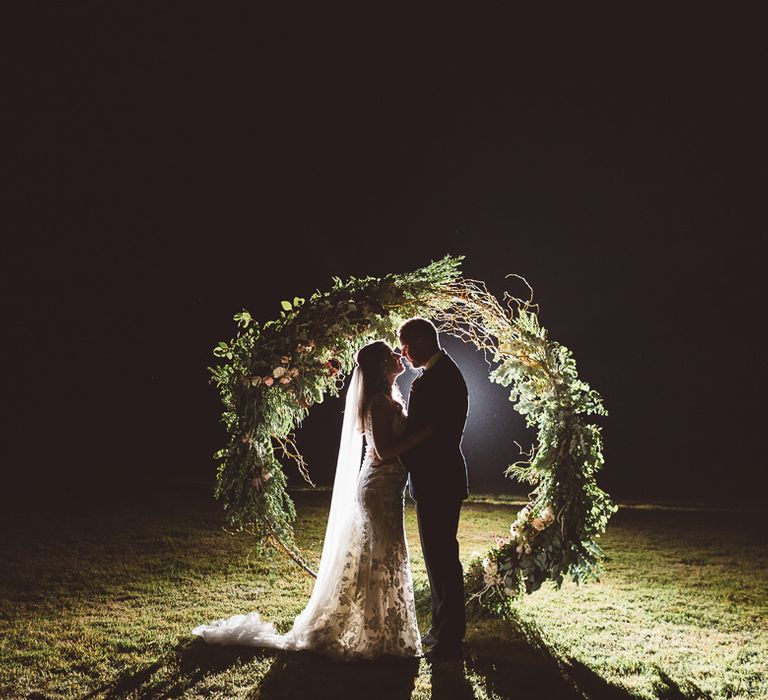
(266, 476)
(285, 380)
(293, 372)
(538, 524)
(269, 381)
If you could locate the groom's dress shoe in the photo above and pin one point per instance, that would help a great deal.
(428, 640)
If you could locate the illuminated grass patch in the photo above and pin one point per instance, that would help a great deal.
(102, 607)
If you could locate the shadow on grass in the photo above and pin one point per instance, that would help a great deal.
(507, 660)
(176, 673)
(512, 660)
(306, 675)
(291, 675)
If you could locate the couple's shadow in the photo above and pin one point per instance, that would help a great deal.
(507, 661)
(299, 675)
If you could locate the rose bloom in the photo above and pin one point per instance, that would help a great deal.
(538, 524)
(278, 372)
(293, 372)
(548, 513)
(269, 381)
(285, 380)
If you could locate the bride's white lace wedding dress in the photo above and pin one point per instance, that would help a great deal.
(362, 605)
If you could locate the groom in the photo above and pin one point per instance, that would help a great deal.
(438, 479)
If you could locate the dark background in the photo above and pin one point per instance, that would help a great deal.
(169, 163)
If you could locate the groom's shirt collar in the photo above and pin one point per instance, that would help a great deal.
(432, 360)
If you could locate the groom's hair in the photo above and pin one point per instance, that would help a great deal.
(418, 328)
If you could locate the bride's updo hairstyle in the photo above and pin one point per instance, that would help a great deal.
(370, 360)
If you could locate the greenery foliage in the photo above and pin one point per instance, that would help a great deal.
(271, 374)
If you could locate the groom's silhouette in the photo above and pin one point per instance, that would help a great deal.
(438, 478)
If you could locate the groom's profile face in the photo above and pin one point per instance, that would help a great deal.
(410, 351)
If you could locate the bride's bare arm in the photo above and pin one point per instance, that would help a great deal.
(385, 444)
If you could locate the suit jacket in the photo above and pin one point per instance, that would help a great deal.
(436, 466)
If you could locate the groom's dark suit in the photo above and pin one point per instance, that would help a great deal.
(438, 484)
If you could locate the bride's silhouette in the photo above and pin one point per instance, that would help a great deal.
(362, 604)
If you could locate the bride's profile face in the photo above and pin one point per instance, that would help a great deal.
(393, 365)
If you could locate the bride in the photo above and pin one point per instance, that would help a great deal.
(362, 604)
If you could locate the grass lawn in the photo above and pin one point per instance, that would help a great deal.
(100, 604)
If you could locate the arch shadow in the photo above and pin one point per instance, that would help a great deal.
(291, 675)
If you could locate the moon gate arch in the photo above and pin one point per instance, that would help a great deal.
(270, 375)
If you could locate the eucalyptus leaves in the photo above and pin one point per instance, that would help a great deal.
(271, 374)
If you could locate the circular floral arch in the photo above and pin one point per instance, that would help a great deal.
(270, 375)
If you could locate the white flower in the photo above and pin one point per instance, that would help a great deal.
(475, 555)
(548, 514)
(519, 549)
(528, 549)
(278, 372)
(255, 381)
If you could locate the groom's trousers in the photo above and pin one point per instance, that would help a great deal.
(438, 524)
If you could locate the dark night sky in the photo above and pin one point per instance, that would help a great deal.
(169, 163)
